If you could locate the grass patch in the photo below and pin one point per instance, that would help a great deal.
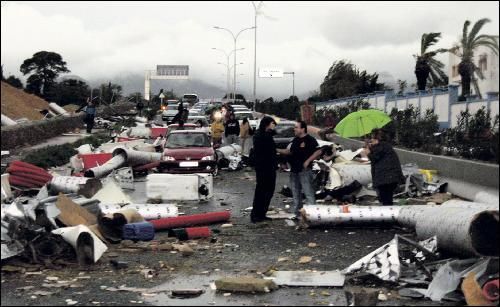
(57, 155)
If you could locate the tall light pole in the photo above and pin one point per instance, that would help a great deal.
(293, 81)
(227, 57)
(235, 37)
(228, 73)
(256, 9)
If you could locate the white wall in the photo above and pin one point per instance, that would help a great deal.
(426, 103)
(441, 108)
(473, 107)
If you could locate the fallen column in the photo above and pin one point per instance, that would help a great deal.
(80, 185)
(106, 168)
(343, 174)
(57, 109)
(315, 215)
(147, 211)
(7, 121)
(191, 220)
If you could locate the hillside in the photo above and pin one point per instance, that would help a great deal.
(17, 103)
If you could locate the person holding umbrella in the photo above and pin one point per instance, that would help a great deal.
(385, 166)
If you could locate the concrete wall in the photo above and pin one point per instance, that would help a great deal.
(477, 173)
(442, 100)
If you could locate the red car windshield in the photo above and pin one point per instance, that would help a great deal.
(183, 140)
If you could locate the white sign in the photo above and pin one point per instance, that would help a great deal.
(270, 73)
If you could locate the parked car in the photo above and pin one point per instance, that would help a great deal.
(240, 115)
(188, 151)
(175, 127)
(170, 111)
(205, 125)
(240, 107)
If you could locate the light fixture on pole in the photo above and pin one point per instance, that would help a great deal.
(235, 37)
(229, 69)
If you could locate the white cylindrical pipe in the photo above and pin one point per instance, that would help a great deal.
(154, 211)
(486, 198)
(7, 121)
(469, 232)
(134, 157)
(141, 119)
(103, 170)
(71, 184)
(315, 215)
(59, 110)
(343, 174)
(84, 149)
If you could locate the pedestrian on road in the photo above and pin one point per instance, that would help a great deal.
(330, 123)
(245, 137)
(303, 151)
(265, 169)
(385, 166)
(217, 130)
(90, 111)
(232, 130)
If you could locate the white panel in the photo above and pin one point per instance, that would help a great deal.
(414, 102)
(442, 107)
(455, 112)
(426, 103)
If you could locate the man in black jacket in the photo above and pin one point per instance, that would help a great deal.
(385, 166)
(232, 130)
(265, 169)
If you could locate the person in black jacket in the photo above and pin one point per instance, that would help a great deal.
(265, 169)
(385, 166)
(232, 130)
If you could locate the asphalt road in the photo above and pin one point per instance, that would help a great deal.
(242, 250)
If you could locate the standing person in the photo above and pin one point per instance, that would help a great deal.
(232, 130)
(139, 106)
(301, 154)
(330, 123)
(245, 137)
(265, 169)
(180, 113)
(90, 111)
(217, 129)
(385, 165)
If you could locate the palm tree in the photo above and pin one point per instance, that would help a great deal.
(427, 67)
(465, 50)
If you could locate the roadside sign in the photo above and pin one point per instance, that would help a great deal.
(270, 73)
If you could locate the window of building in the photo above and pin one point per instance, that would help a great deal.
(483, 63)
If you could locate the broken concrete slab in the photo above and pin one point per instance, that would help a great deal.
(305, 259)
(245, 284)
(308, 279)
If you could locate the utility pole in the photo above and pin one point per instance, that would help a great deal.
(293, 81)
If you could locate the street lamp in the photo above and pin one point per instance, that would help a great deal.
(235, 37)
(228, 73)
(229, 69)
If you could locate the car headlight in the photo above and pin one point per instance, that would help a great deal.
(168, 158)
(207, 158)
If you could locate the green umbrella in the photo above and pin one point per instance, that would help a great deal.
(361, 123)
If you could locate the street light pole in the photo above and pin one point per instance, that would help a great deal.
(293, 81)
(229, 69)
(235, 37)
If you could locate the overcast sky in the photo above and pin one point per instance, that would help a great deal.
(99, 39)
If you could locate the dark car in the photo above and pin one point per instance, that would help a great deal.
(284, 134)
(188, 151)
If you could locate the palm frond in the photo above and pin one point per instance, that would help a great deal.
(475, 29)
(429, 39)
(436, 63)
(464, 34)
(491, 45)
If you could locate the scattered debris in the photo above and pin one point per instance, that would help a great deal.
(245, 284)
(305, 259)
(308, 279)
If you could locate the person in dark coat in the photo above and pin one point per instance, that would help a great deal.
(385, 166)
(265, 169)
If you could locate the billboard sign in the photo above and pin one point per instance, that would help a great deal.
(172, 70)
(270, 73)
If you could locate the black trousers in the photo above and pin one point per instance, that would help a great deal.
(385, 193)
(89, 119)
(264, 191)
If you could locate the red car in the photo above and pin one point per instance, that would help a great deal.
(188, 151)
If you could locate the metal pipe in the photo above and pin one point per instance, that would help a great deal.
(315, 215)
(135, 157)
